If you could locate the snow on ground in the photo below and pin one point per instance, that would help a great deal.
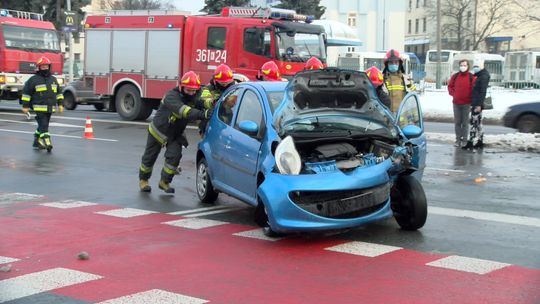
(437, 105)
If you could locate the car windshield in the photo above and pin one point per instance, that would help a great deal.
(275, 98)
(32, 39)
(299, 47)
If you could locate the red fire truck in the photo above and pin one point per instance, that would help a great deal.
(135, 59)
(24, 38)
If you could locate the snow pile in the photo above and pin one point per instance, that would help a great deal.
(512, 141)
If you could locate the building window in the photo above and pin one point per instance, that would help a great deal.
(538, 62)
(425, 3)
(351, 20)
(410, 26)
(417, 3)
(469, 14)
(416, 22)
(410, 5)
(424, 25)
(216, 38)
(102, 4)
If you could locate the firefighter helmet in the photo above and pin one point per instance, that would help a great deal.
(43, 61)
(392, 55)
(270, 71)
(223, 74)
(313, 63)
(375, 75)
(190, 80)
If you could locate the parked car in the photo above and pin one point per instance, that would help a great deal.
(320, 153)
(77, 92)
(525, 117)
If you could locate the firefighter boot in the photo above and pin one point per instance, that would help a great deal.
(144, 186)
(48, 143)
(41, 143)
(163, 185)
(468, 146)
(36, 142)
(479, 145)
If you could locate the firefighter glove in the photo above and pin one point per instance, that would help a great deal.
(206, 114)
(60, 108)
(25, 110)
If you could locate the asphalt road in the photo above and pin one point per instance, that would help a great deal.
(496, 218)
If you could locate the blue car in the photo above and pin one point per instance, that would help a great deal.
(318, 153)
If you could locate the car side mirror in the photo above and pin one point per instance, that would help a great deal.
(249, 127)
(412, 131)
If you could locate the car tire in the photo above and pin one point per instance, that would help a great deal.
(260, 216)
(409, 203)
(130, 105)
(99, 106)
(69, 101)
(204, 187)
(528, 123)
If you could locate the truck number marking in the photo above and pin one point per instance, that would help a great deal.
(217, 56)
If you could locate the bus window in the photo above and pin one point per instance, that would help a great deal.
(433, 56)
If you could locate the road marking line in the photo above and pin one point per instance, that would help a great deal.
(215, 212)
(125, 212)
(155, 296)
(486, 216)
(52, 124)
(257, 234)
(5, 260)
(466, 264)
(443, 169)
(38, 282)
(68, 204)
(197, 210)
(364, 249)
(195, 223)
(57, 135)
(18, 197)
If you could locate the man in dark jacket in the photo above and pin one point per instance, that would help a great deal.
(178, 107)
(460, 88)
(476, 135)
(43, 94)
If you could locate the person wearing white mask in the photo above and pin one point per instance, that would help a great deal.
(476, 135)
(460, 88)
(397, 84)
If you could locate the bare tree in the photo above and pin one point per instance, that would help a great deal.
(492, 17)
(529, 11)
(139, 4)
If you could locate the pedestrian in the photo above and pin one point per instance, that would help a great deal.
(377, 79)
(43, 95)
(314, 63)
(476, 134)
(460, 88)
(397, 84)
(269, 72)
(178, 107)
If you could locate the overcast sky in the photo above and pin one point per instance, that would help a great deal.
(189, 5)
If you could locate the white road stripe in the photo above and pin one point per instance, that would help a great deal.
(197, 210)
(257, 234)
(443, 169)
(486, 216)
(195, 223)
(17, 197)
(364, 249)
(38, 282)
(5, 260)
(155, 296)
(52, 124)
(68, 204)
(58, 135)
(466, 264)
(125, 212)
(214, 212)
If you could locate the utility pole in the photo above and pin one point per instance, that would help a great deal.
(70, 37)
(438, 73)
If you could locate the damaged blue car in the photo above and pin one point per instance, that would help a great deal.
(318, 153)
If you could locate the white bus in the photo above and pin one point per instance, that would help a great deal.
(522, 69)
(493, 63)
(361, 61)
(447, 58)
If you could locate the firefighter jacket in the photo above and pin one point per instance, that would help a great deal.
(211, 93)
(398, 86)
(174, 113)
(42, 93)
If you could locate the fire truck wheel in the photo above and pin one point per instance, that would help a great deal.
(128, 102)
(69, 101)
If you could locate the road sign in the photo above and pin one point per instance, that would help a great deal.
(70, 22)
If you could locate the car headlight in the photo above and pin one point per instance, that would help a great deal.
(287, 158)
(60, 81)
(11, 79)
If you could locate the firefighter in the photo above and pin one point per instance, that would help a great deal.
(269, 72)
(43, 94)
(397, 84)
(377, 78)
(178, 107)
(313, 63)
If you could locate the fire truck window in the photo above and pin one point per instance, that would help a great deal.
(216, 38)
(257, 41)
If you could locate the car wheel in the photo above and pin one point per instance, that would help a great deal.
(69, 101)
(261, 218)
(528, 123)
(409, 203)
(205, 189)
(99, 106)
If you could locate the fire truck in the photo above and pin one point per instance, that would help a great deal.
(24, 38)
(135, 59)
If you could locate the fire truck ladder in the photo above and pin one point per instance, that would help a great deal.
(20, 14)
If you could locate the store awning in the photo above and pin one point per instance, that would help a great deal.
(499, 39)
(416, 41)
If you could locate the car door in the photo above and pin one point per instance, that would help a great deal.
(241, 151)
(410, 113)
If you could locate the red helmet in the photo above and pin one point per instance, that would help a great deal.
(392, 55)
(375, 75)
(43, 61)
(270, 71)
(190, 80)
(313, 63)
(223, 74)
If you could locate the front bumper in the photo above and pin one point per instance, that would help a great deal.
(346, 199)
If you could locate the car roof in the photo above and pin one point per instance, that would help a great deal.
(267, 86)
